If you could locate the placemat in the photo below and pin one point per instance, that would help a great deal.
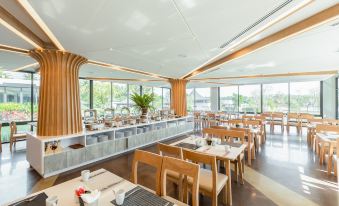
(187, 145)
(231, 144)
(139, 196)
(39, 200)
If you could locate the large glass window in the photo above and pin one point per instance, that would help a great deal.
(166, 98)
(36, 87)
(84, 94)
(147, 90)
(275, 97)
(157, 103)
(249, 98)
(101, 96)
(190, 100)
(305, 97)
(229, 99)
(15, 96)
(119, 96)
(202, 99)
(133, 89)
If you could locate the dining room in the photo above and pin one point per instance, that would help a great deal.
(172, 102)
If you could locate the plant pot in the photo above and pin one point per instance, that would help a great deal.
(144, 111)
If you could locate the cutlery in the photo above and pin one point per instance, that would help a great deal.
(113, 184)
(97, 174)
(26, 200)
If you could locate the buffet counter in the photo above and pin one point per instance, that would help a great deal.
(53, 155)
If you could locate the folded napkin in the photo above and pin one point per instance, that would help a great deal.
(90, 198)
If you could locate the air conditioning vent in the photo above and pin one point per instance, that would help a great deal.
(335, 24)
(243, 32)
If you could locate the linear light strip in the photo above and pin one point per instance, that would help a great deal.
(13, 49)
(329, 72)
(256, 32)
(118, 68)
(27, 6)
(20, 34)
(123, 79)
(25, 67)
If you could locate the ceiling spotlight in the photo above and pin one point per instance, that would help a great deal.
(111, 49)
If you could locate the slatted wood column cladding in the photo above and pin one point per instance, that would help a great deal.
(178, 96)
(59, 99)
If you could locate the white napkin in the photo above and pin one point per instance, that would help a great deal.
(91, 197)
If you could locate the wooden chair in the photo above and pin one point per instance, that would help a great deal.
(304, 120)
(14, 135)
(176, 152)
(234, 122)
(277, 119)
(293, 121)
(323, 147)
(260, 136)
(198, 121)
(211, 120)
(250, 142)
(186, 169)
(333, 155)
(151, 159)
(0, 137)
(267, 118)
(336, 161)
(311, 130)
(211, 182)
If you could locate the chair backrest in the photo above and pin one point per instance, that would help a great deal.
(277, 115)
(247, 117)
(150, 159)
(184, 168)
(322, 128)
(235, 121)
(306, 117)
(330, 121)
(292, 117)
(197, 157)
(13, 128)
(253, 123)
(169, 150)
(316, 121)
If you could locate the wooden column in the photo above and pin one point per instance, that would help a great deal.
(178, 96)
(59, 100)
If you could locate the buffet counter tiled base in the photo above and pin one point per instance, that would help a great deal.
(48, 164)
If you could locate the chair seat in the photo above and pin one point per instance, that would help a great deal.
(176, 202)
(205, 180)
(19, 135)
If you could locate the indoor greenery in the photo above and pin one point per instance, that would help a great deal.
(143, 101)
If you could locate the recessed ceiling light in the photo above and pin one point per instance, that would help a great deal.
(111, 49)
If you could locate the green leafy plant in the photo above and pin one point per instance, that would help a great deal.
(143, 101)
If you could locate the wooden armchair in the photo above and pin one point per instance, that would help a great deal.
(211, 182)
(293, 120)
(336, 161)
(186, 169)
(305, 120)
(277, 119)
(151, 159)
(15, 135)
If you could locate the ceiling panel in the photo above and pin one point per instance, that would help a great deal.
(10, 61)
(316, 50)
(9, 38)
(169, 37)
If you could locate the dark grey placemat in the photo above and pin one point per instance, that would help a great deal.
(39, 200)
(231, 144)
(139, 196)
(187, 145)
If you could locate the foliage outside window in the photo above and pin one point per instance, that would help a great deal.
(305, 97)
(119, 96)
(101, 96)
(275, 97)
(250, 98)
(229, 99)
(190, 100)
(157, 103)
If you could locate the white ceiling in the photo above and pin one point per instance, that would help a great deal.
(173, 37)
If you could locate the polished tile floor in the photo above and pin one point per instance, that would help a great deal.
(285, 172)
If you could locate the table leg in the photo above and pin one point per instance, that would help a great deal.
(241, 174)
(329, 163)
(229, 182)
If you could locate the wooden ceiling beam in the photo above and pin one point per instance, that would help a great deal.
(290, 74)
(124, 69)
(11, 23)
(13, 49)
(297, 28)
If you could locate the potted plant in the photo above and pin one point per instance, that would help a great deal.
(143, 102)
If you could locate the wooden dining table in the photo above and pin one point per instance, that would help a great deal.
(330, 140)
(101, 179)
(221, 154)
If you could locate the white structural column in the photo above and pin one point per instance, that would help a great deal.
(214, 98)
(329, 109)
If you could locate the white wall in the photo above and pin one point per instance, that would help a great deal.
(329, 98)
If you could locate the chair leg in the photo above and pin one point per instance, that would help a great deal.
(11, 145)
(253, 152)
(249, 154)
(235, 171)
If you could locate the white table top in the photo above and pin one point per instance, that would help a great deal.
(216, 150)
(66, 191)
